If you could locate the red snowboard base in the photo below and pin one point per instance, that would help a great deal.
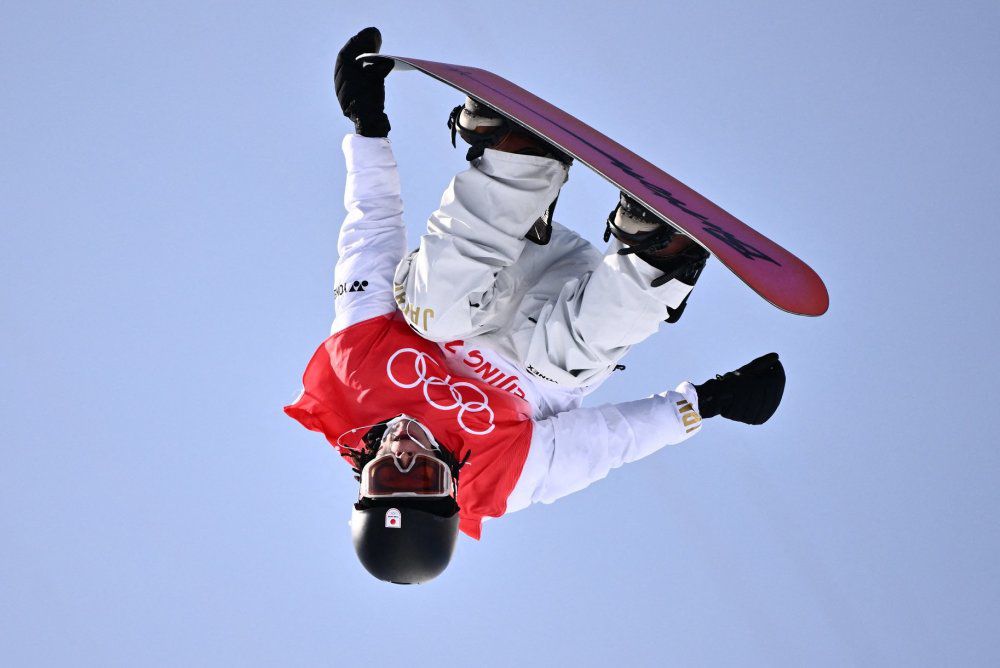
(774, 273)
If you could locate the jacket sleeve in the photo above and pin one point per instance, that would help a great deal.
(571, 450)
(372, 239)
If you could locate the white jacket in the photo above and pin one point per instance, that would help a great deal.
(537, 301)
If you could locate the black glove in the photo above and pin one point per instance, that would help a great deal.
(361, 88)
(750, 394)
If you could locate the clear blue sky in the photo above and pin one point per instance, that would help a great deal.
(170, 193)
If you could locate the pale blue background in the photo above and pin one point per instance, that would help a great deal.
(170, 192)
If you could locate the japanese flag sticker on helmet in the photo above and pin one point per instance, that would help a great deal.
(393, 518)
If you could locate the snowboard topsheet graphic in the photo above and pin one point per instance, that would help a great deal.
(774, 273)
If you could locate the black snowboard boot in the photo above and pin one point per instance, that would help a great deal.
(658, 244)
(483, 128)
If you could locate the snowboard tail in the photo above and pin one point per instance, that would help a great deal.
(773, 272)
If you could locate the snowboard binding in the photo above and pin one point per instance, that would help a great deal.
(482, 128)
(657, 243)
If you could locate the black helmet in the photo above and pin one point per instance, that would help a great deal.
(404, 540)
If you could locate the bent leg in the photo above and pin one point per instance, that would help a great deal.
(583, 332)
(447, 286)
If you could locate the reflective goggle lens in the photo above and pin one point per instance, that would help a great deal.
(426, 476)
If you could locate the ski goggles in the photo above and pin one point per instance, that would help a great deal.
(424, 475)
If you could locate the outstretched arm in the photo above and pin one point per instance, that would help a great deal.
(571, 450)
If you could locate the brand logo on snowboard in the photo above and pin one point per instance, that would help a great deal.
(741, 247)
(728, 238)
(344, 288)
(409, 369)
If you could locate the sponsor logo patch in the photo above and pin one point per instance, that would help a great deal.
(689, 416)
(535, 372)
(393, 518)
(344, 288)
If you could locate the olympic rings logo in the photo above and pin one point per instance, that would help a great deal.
(458, 391)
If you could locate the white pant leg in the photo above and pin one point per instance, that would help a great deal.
(446, 288)
(562, 312)
(585, 329)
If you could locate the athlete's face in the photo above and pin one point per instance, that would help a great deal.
(405, 439)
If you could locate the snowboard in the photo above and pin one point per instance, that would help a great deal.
(771, 271)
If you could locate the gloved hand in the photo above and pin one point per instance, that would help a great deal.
(750, 394)
(361, 88)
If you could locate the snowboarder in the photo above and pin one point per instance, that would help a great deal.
(453, 377)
